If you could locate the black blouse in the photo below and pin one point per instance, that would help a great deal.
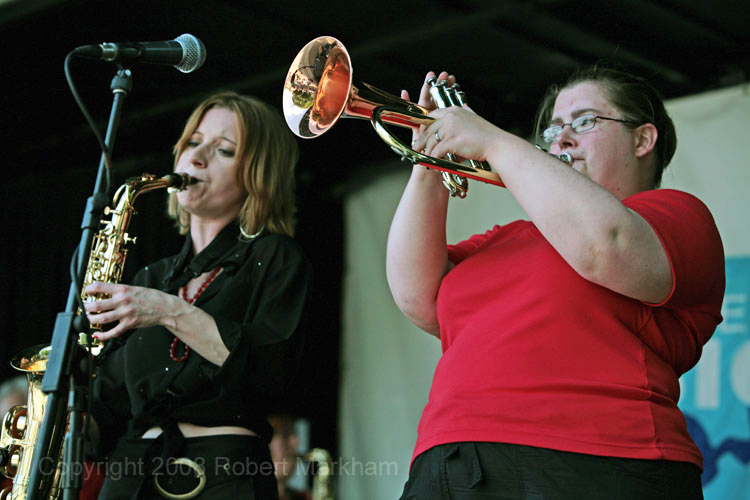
(257, 302)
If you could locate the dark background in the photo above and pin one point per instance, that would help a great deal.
(503, 52)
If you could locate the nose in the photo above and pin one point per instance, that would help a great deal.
(566, 140)
(199, 156)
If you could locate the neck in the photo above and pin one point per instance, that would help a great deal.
(647, 169)
(203, 232)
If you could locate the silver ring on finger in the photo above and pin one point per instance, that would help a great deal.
(437, 136)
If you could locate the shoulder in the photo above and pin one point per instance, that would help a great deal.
(671, 201)
(275, 249)
(276, 240)
(273, 243)
(671, 210)
(153, 274)
(691, 240)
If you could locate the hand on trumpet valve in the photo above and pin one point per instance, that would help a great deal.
(460, 131)
(425, 98)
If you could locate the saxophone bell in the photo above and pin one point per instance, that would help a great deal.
(21, 427)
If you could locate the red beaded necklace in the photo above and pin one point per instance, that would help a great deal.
(190, 300)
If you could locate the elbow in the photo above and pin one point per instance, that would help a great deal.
(602, 269)
(594, 261)
(421, 312)
(415, 294)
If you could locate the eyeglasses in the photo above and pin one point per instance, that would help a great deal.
(579, 125)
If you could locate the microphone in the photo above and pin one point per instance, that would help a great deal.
(186, 52)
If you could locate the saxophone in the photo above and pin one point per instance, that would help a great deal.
(108, 248)
(22, 423)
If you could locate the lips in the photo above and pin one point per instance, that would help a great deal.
(197, 179)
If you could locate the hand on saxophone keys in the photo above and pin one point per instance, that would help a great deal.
(126, 307)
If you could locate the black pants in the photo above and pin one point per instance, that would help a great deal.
(236, 468)
(469, 471)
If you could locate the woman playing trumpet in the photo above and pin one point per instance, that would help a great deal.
(563, 336)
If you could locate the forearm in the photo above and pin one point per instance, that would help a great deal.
(129, 307)
(198, 330)
(603, 240)
(416, 256)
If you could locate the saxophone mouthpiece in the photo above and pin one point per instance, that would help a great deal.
(179, 182)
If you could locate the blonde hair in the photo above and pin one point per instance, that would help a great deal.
(266, 156)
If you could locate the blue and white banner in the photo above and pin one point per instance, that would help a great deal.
(716, 394)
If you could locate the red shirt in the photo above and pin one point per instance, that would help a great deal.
(534, 354)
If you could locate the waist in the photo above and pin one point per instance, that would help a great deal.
(191, 430)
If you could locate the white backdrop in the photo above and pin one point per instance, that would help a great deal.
(387, 363)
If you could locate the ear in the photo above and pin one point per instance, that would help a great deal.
(645, 137)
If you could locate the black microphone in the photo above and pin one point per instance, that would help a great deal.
(185, 52)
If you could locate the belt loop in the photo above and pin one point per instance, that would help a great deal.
(446, 452)
(469, 460)
(476, 467)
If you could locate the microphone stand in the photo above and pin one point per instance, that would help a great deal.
(66, 357)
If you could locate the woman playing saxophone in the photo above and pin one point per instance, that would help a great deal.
(203, 338)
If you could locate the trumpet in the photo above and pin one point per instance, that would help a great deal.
(318, 90)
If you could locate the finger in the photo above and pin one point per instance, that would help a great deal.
(100, 305)
(92, 289)
(421, 139)
(110, 334)
(101, 318)
(98, 287)
(430, 139)
(424, 94)
(101, 290)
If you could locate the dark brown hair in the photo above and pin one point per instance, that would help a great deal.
(633, 96)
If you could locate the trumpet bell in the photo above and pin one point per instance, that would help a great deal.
(317, 87)
(318, 90)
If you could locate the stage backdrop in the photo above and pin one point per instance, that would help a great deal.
(387, 363)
